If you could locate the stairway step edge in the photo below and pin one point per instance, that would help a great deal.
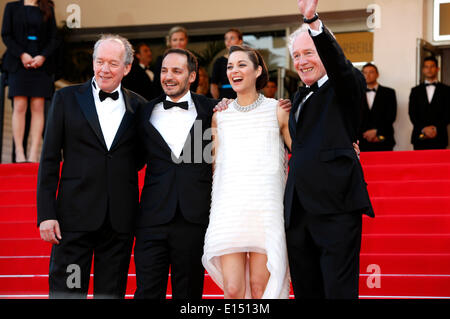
(408, 235)
(208, 276)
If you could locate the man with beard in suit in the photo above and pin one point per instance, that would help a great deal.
(175, 200)
(379, 112)
(325, 194)
(429, 109)
(93, 125)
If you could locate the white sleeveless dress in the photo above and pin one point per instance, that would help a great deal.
(247, 195)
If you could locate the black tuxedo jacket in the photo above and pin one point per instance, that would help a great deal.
(422, 113)
(324, 169)
(380, 117)
(138, 81)
(169, 183)
(93, 179)
(14, 35)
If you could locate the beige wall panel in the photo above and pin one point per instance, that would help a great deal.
(97, 13)
(402, 22)
(395, 56)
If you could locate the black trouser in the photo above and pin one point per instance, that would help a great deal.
(323, 253)
(71, 262)
(178, 245)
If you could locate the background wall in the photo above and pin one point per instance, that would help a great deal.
(141, 12)
(402, 23)
(395, 56)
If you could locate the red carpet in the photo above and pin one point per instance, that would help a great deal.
(405, 250)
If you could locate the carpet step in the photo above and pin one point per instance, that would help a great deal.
(17, 213)
(24, 247)
(383, 224)
(38, 285)
(409, 188)
(91, 296)
(383, 286)
(19, 169)
(23, 229)
(408, 205)
(435, 205)
(18, 182)
(24, 265)
(430, 264)
(371, 243)
(405, 157)
(407, 224)
(18, 197)
(406, 243)
(388, 172)
(405, 286)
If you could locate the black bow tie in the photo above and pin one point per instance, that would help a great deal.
(427, 84)
(313, 88)
(305, 90)
(371, 90)
(103, 95)
(169, 104)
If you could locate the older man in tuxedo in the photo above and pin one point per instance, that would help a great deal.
(326, 193)
(93, 126)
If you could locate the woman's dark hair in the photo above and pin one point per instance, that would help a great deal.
(46, 7)
(191, 59)
(257, 60)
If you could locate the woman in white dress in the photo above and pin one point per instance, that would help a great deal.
(245, 249)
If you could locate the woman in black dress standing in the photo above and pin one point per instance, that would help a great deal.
(29, 33)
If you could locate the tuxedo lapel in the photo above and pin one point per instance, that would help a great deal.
(312, 96)
(188, 143)
(424, 94)
(148, 126)
(201, 112)
(435, 94)
(292, 123)
(296, 102)
(86, 101)
(376, 100)
(127, 119)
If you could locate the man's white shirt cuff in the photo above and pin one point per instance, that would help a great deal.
(316, 32)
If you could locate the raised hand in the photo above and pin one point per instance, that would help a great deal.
(307, 8)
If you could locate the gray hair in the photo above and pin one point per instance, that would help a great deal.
(129, 52)
(303, 28)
